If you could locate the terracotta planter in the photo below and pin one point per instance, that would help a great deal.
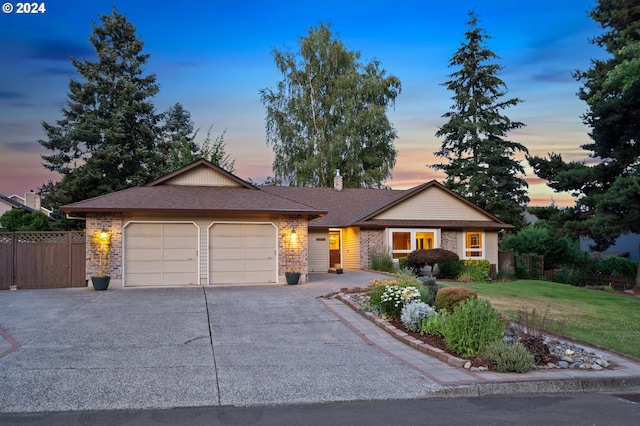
(100, 283)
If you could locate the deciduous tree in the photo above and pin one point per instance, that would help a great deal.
(328, 113)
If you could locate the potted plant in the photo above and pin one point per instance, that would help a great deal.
(100, 257)
(292, 273)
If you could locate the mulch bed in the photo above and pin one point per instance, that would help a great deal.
(438, 342)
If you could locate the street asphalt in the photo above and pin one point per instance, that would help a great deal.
(160, 348)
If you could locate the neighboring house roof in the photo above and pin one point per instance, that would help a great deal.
(14, 204)
(202, 187)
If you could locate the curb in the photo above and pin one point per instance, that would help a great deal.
(595, 385)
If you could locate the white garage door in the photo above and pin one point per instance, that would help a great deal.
(161, 254)
(242, 253)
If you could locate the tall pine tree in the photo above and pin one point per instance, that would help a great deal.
(480, 161)
(107, 138)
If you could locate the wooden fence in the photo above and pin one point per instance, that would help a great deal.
(618, 283)
(30, 260)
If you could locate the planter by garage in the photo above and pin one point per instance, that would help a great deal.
(100, 283)
(292, 277)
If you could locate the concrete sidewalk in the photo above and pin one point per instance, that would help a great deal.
(75, 349)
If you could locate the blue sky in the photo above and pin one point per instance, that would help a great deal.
(214, 56)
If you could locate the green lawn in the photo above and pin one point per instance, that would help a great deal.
(605, 319)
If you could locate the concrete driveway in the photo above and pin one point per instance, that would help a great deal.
(75, 349)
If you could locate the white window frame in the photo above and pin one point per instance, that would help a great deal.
(482, 248)
(413, 231)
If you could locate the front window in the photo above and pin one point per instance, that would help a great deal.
(473, 244)
(404, 241)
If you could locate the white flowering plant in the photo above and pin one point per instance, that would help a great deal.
(395, 297)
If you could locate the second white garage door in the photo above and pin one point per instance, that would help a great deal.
(161, 254)
(242, 253)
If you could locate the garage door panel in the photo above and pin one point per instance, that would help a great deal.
(144, 267)
(257, 230)
(227, 242)
(258, 253)
(179, 230)
(226, 277)
(179, 278)
(178, 242)
(139, 255)
(242, 253)
(258, 242)
(180, 254)
(259, 277)
(226, 229)
(137, 229)
(227, 265)
(144, 279)
(143, 242)
(226, 253)
(161, 254)
(258, 265)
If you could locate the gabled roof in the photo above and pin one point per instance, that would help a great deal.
(203, 188)
(15, 204)
(191, 199)
(368, 217)
(201, 163)
(160, 196)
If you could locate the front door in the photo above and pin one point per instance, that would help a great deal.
(334, 250)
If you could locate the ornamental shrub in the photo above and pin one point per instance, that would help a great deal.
(508, 357)
(418, 259)
(483, 264)
(473, 273)
(450, 270)
(381, 261)
(472, 326)
(434, 324)
(428, 290)
(447, 298)
(413, 313)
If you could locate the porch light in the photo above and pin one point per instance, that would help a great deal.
(104, 234)
(293, 238)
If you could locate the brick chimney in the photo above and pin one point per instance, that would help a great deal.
(337, 181)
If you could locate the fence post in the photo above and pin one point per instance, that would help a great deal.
(14, 245)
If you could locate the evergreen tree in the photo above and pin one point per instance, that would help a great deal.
(328, 113)
(480, 161)
(608, 193)
(107, 140)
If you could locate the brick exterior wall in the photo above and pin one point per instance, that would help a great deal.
(449, 241)
(111, 222)
(293, 257)
(370, 240)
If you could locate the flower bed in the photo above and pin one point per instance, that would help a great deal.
(515, 350)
